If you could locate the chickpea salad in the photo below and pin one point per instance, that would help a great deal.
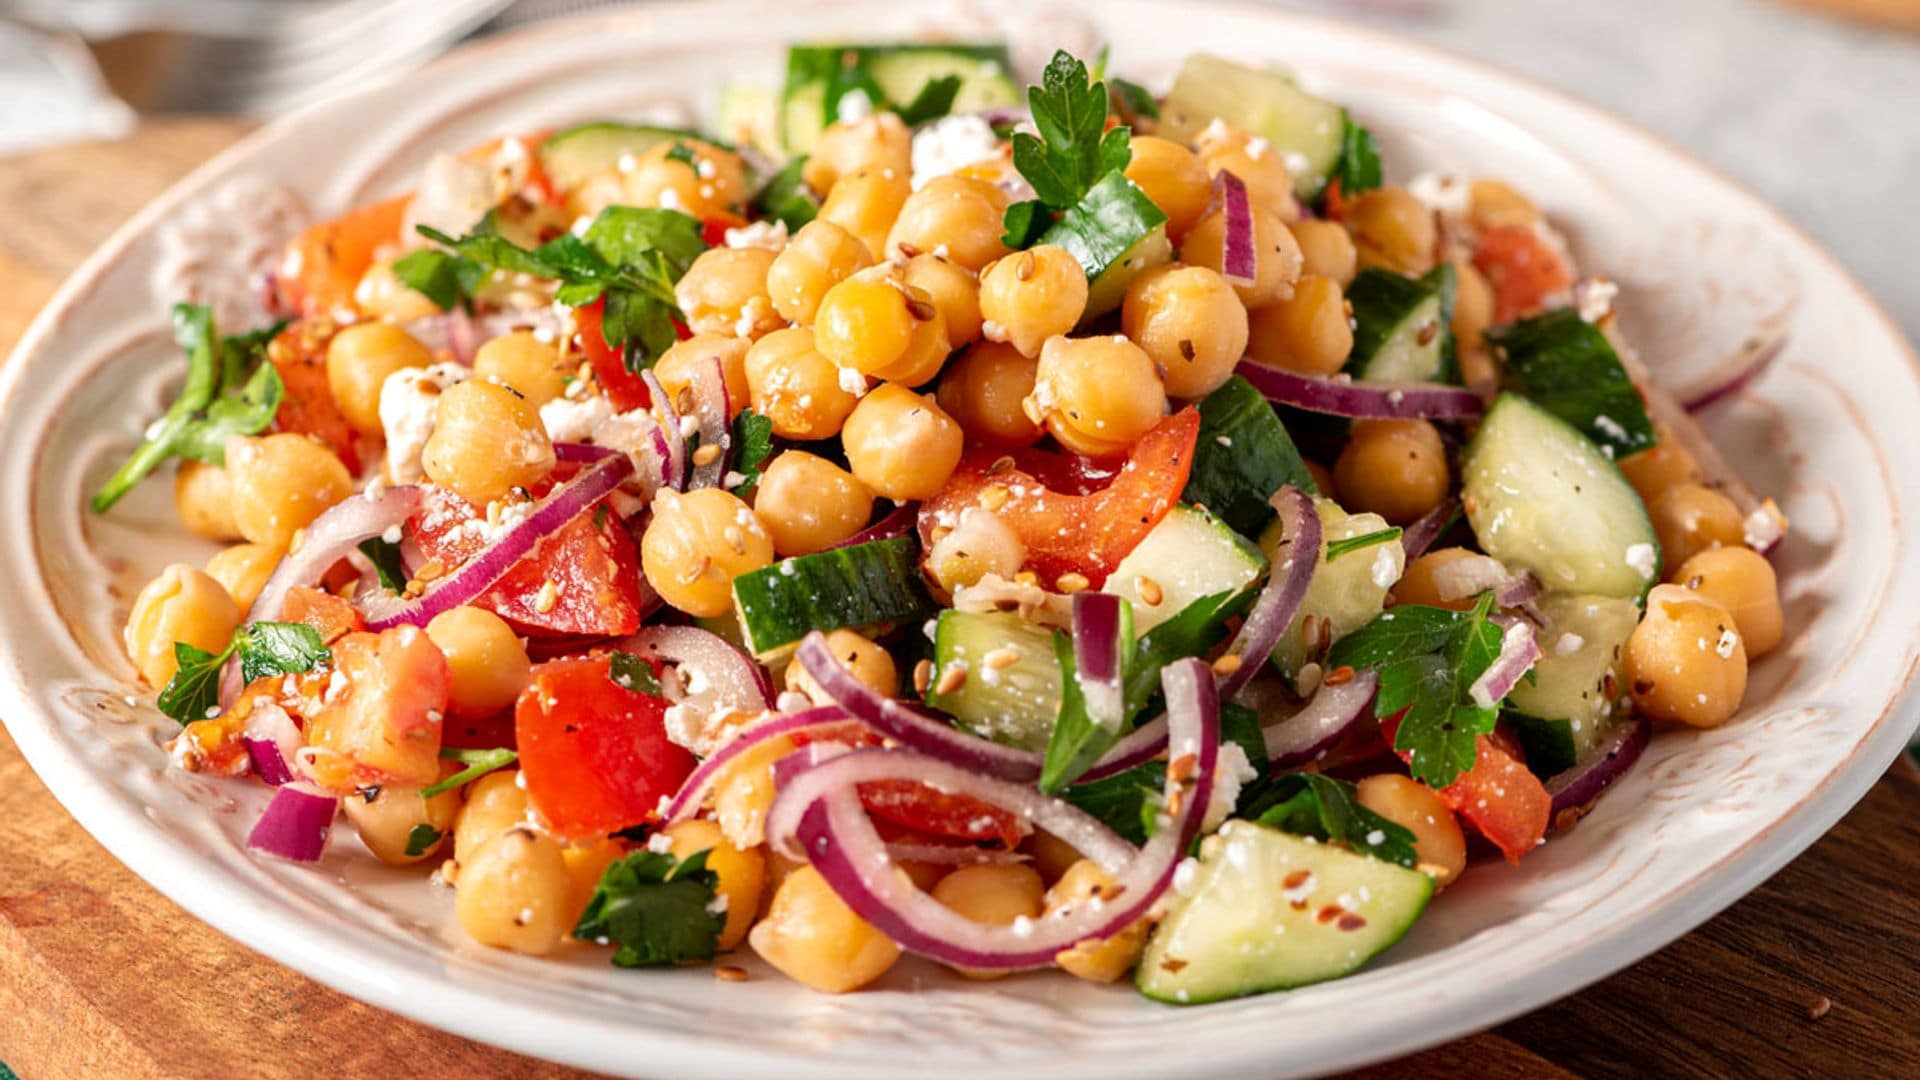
(1093, 528)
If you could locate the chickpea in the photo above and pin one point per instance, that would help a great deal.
(1438, 844)
(697, 543)
(900, 444)
(1326, 248)
(181, 605)
(538, 370)
(359, 359)
(993, 893)
(865, 661)
(486, 441)
(955, 291)
(486, 664)
(743, 874)
(1031, 296)
(1308, 333)
(982, 389)
(715, 181)
(1685, 662)
(744, 790)
(1277, 255)
(1101, 960)
(809, 504)
(1322, 479)
(1190, 323)
(795, 387)
(1392, 229)
(1495, 204)
(725, 292)
(1665, 464)
(1742, 581)
(380, 295)
(587, 863)
(515, 894)
(880, 141)
(1472, 306)
(1174, 178)
(386, 816)
(813, 937)
(1052, 856)
(1394, 468)
(675, 368)
(495, 803)
(1097, 395)
(953, 215)
(203, 497)
(818, 257)
(1417, 585)
(867, 322)
(865, 202)
(1690, 518)
(980, 544)
(280, 484)
(1269, 184)
(928, 348)
(243, 570)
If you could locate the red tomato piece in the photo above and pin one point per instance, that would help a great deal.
(590, 562)
(1087, 533)
(624, 388)
(595, 756)
(1500, 797)
(324, 264)
(921, 808)
(383, 723)
(1523, 268)
(308, 408)
(331, 616)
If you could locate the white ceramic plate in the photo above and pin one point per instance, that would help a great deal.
(1707, 270)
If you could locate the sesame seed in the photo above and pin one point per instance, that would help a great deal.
(548, 596)
(730, 973)
(922, 675)
(1072, 582)
(707, 454)
(1004, 656)
(736, 539)
(952, 679)
(1226, 664)
(1149, 590)
(994, 497)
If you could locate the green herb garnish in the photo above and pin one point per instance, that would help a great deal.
(1350, 544)
(478, 764)
(629, 672)
(752, 445)
(264, 648)
(1309, 804)
(655, 910)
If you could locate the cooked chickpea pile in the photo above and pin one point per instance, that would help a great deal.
(882, 341)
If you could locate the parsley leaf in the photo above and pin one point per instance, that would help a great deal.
(657, 911)
(1309, 804)
(1074, 148)
(478, 764)
(1127, 802)
(1427, 660)
(1349, 544)
(213, 405)
(1135, 100)
(934, 101)
(264, 648)
(629, 672)
(440, 276)
(1198, 627)
(1358, 169)
(421, 838)
(786, 197)
(194, 690)
(386, 562)
(752, 444)
(1024, 223)
(681, 153)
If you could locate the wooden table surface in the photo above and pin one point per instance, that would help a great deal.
(100, 976)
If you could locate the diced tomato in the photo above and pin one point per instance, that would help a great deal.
(483, 734)
(1523, 268)
(713, 229)
(587, 570)
(595, 756)
(382, 723)
(1499, 797)
(299, 354)
(324, 264)
(1089, 533)
(325, 612)
(623, 387)
(919, 807)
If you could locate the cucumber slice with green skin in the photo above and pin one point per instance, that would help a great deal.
(1308, 132)
(1402, 326)
(1190, 554)
(872, 584)
(1243, 456)
(1014, 704)
(1567, 366)
(750, 116)
(1565, 709)
(1271, 911)
(1543, 497)
(818, 75)
(1115, 232)
(1345, 592)
(571, 156)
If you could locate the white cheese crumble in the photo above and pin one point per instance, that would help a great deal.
(409, 401)
(1641, 557)
(1594, 298)
(771, 235)
(853, 106)
(950, 144)
(1230, 771)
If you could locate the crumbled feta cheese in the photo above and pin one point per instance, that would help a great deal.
(575, 421)
(1642, 559)
(1568, 644)
(1728, 642)
(1594, 298)
(771, 235)
(950, 144)
(1446, 194)
(853, 106)
(409, 401)
(1230, 771)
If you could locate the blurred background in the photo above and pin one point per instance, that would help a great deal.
(1810, 101)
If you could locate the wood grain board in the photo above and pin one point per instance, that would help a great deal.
(100, 976)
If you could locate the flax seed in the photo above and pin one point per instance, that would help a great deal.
(1295, 879)
(1027, 577)
(994, 497)
(1001, 464)
(1072, 582)
(1226, 664)
(707, 454)
(736, 539)
(430, 570)
(952, 679)
(1149, 589)
(548, 596)
(1180, 769)
(1002, 657)
(730, 973)
(1024, 268)
(1339, 676)
(922, 675)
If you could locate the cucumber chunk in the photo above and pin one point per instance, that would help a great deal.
(1115, 232)
(1345, 592)
(1014, 704)
(1308, 132)
(1242, 457)
(872, 584)
(818, 75)
(750, 116)
(571, 156)
(1190, 554)
(1270, 911)
(1566, 704)
(1565, 365)
(1402, 326)
(1543, 497)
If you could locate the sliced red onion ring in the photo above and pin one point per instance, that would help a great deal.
(708, 386)
(1732, 377)
(271, 740)
(952, 854)
(1576, 788)
(1136, 747)
(715, 675)
(519, 540)
(898, 523)
(1286, 588)
(1323, 721)
(1239, 262)
(1470, 575)
(1099, 641)
(820, 809)
(1519, 648)
(693, 791)
(674, 448)
(296, 824)
(581, 452)
(1420, 535)
(1764, 525)
(1341, 396)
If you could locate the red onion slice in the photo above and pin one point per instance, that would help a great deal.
(1341, 396)
(1576, 788)
(1470, 575)
(516, 542)
(897, 523)
(271, 740)
(1764, 525)
(296, 824)
(674, 441)
(1100, 634)
(1519, 648)
(693, 791)
(714, 675)
(1733, 376)
(708, 386)
(1420, 535)
(821, 810)
(1323, 721)
(1136, 747)
(1239, 262)
(1284, 592)
(583, 453)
